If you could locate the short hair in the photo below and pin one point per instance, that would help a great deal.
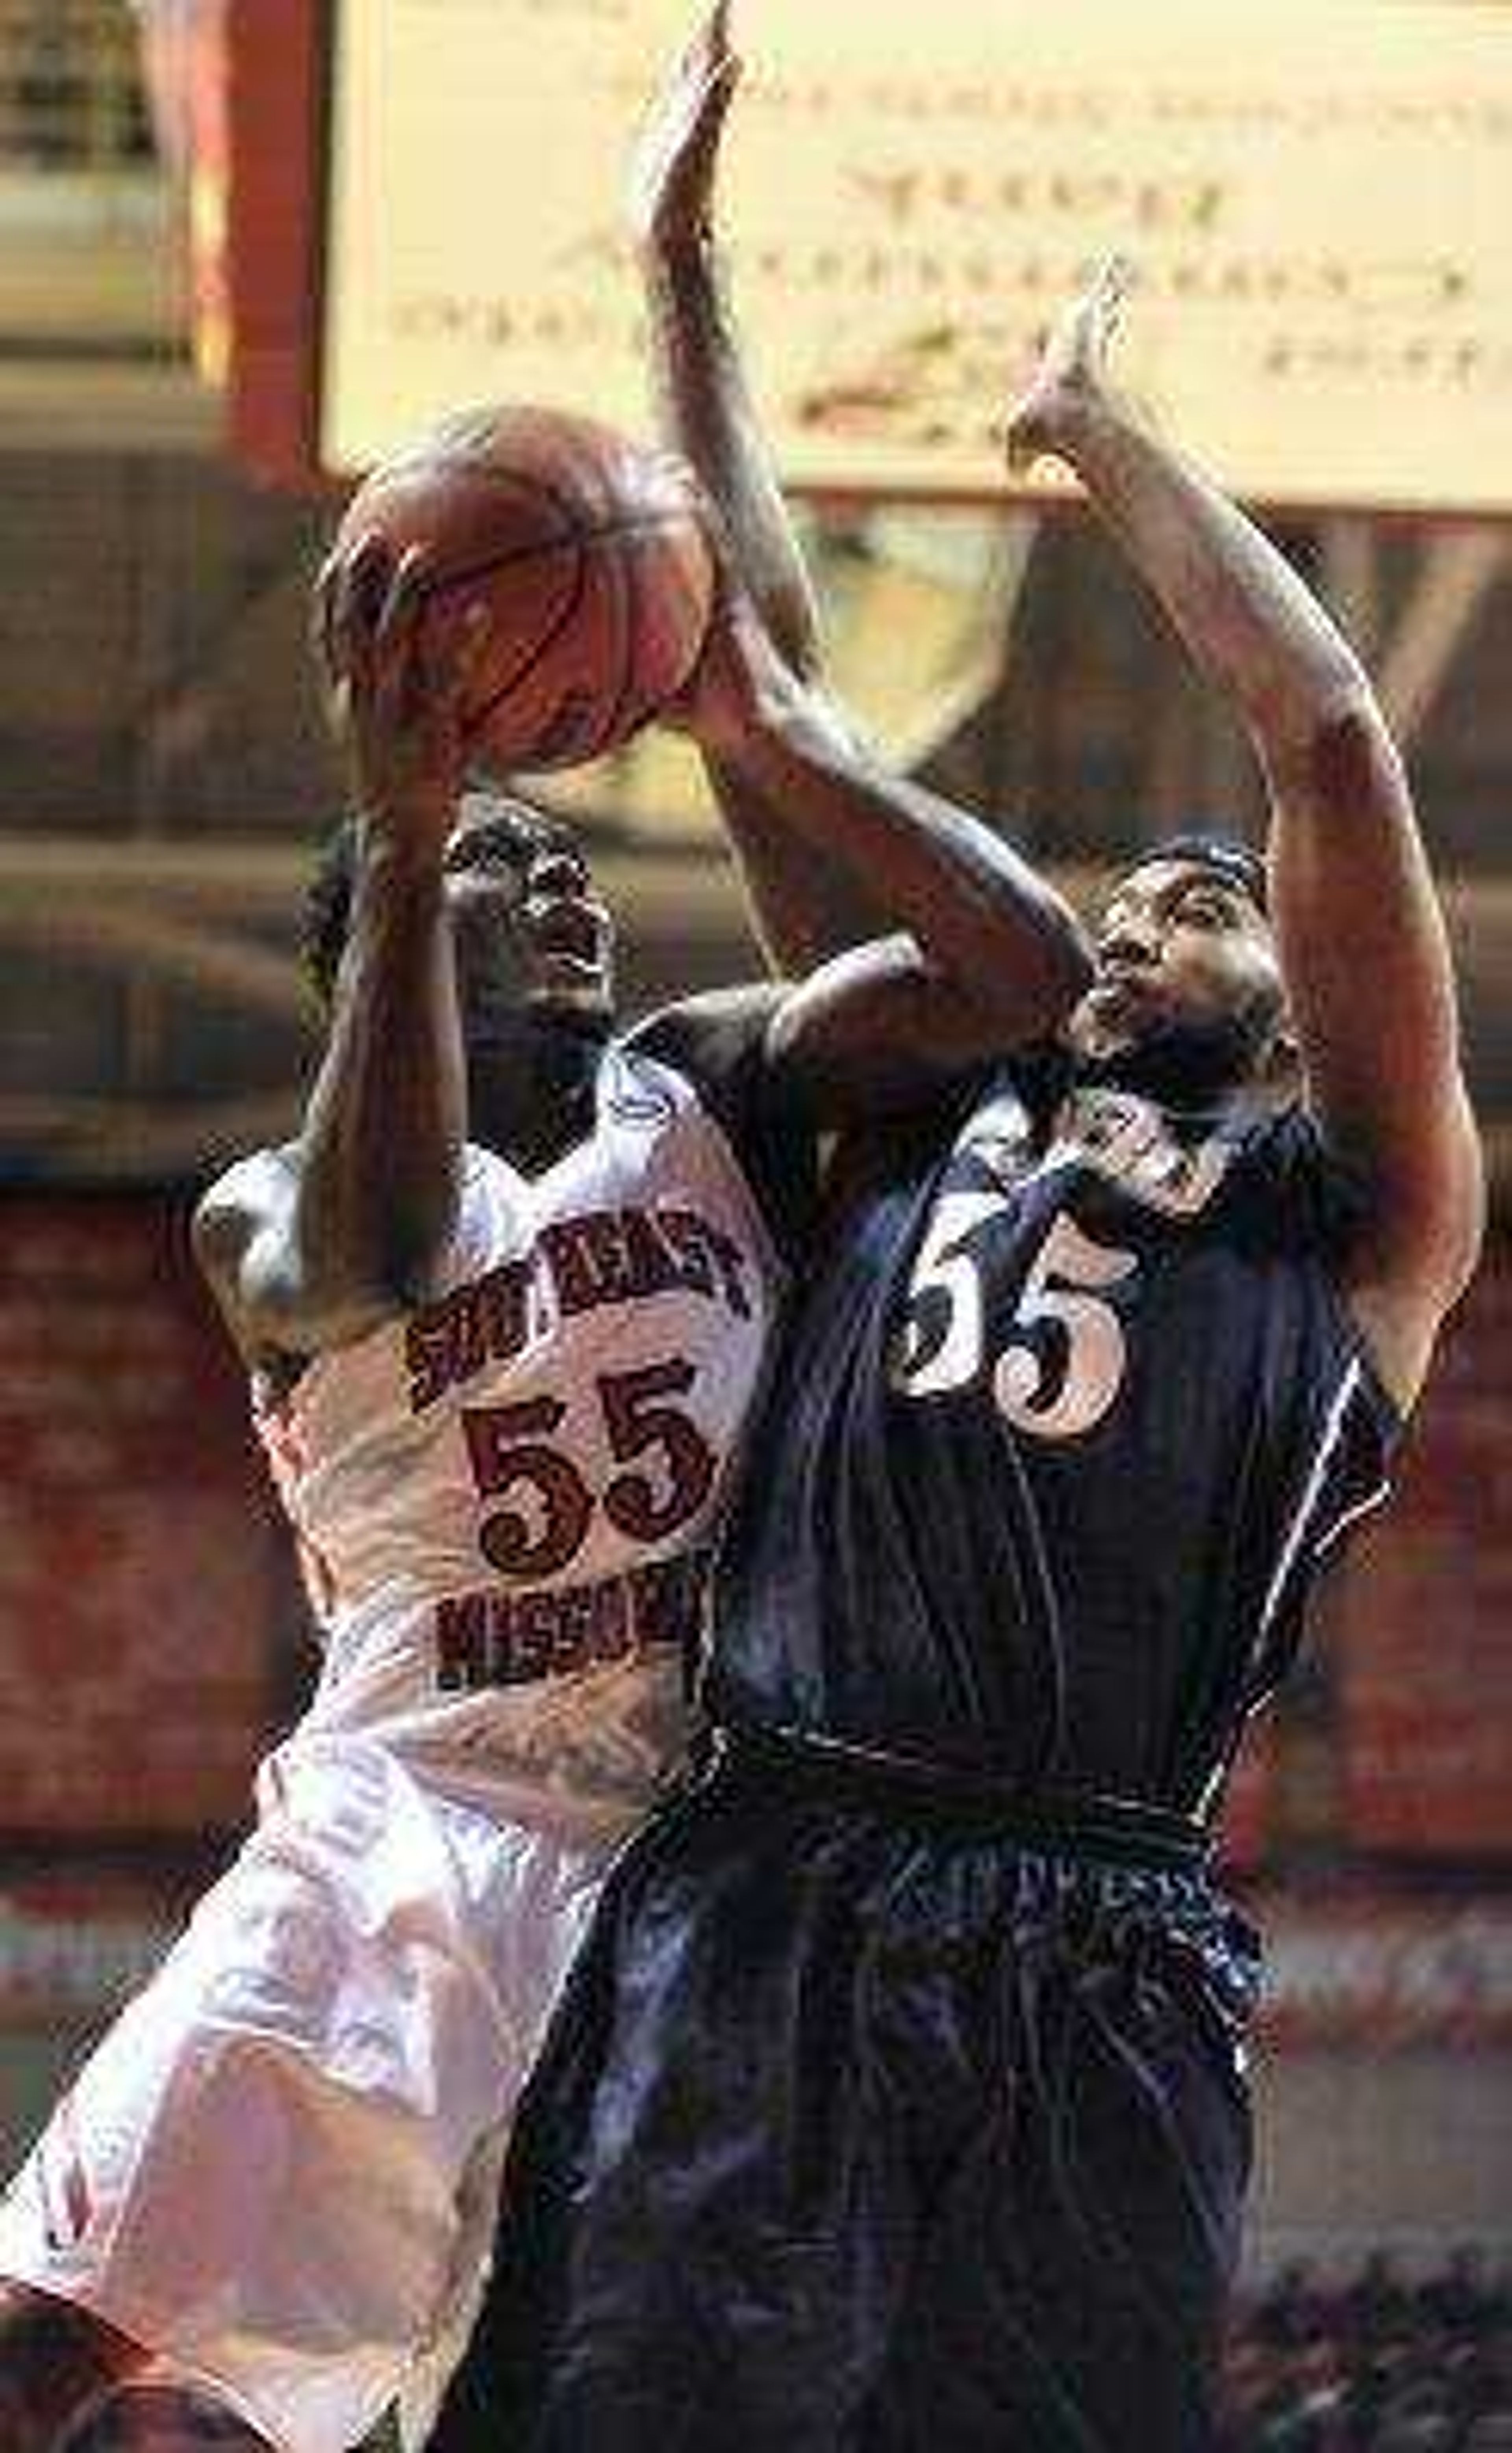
(1238, 864)
(514, 827)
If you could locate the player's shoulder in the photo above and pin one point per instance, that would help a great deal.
(716, 1040)
(248, 1196)
(718, 1044)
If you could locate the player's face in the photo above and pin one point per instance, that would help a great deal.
(530, 931)
(1186, 973)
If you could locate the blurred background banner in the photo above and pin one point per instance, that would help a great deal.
(1317, 199)
(1422, 1633)
(73, 1946)
(185, 51)
(140, 1568)
(1250, 1804)
(180, 41)
(1376, 1972)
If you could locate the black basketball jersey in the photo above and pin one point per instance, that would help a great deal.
(1057, 1440)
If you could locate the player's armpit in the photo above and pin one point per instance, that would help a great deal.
(718, 1042)
(250, 1201)
(876, 1034)
(879, 1033)
(247, 1244)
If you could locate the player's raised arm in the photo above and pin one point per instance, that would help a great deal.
(309, 1246)
(807, 905)
(986, 957)
(705, 396)
(1363, 945)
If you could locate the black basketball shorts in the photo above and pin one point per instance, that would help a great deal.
(858, 2137)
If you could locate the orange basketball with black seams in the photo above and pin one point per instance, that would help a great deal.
(589, 551)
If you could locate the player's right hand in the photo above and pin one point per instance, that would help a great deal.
(672, 178)
(403, 725)
(1071, 382)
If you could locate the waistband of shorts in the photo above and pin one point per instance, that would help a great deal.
(802, 1764)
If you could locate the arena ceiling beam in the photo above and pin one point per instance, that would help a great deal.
(1457, 574)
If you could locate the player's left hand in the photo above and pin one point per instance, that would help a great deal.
(672, 178)
(1071, 382)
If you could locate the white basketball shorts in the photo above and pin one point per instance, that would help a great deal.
(277, 2171)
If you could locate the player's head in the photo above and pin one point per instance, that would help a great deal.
(531, 934)
(1187, 1001)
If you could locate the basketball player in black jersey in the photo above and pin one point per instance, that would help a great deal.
(472, 1001)
(899, 2105)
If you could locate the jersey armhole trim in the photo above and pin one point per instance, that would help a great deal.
(774, 1254)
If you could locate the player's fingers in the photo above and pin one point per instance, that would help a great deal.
(392, 673)
(402, 601)
(362, 582)
(399, 634)
(1026, 387)
(1026, 427)
(719, 39)
(370, 569)
(681, 181)
(1108, 298)
(706, 64)
(340, 618)
(713, 109)
(1023, 441)
(702, 45)
(475, 637)
(455, 685)
(455, 704)
(323, 617)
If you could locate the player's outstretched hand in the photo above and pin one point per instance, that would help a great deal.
(402, 727)
(1071, 381)
(672, 178)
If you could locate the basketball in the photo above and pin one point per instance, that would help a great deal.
(591, 554)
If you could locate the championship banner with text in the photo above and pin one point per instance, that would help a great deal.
(141, 1572)
(1317, 199)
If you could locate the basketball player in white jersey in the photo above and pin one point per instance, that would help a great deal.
(503, 1304)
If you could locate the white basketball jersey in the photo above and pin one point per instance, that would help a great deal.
(505, 1497)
